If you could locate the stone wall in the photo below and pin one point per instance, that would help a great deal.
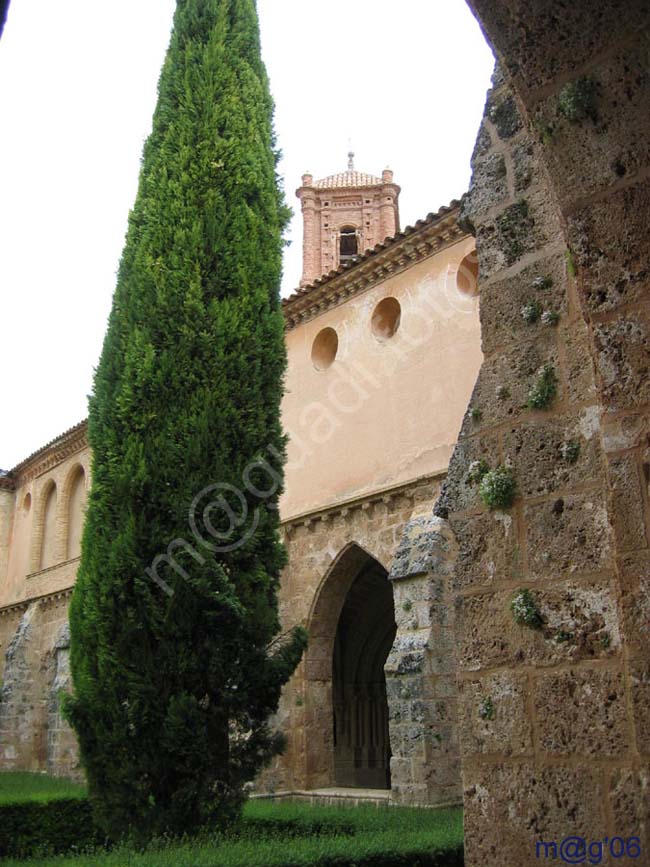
(326, 551)
(33, 734)
(554, 696)
(421, 668)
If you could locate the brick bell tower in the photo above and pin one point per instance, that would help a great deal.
(343, 216)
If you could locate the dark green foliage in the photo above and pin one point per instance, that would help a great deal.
(281, 834)
(46, 828)
(175, 678)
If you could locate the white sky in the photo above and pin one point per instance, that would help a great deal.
(405, 82)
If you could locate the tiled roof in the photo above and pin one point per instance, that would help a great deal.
(432, 219)
(348, 179)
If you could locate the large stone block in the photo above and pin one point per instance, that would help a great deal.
(488, 549)
(579, 622)
(640, 688)
(527, 225)
(582, 712)
(627, 503)
(493, 715)
(635, 601)
(502, 302)
(622, 354)
(553, 454)
(509, 808)
(586, 154)
(458, 493)
(505, 379)
(541, 41)
(629, 796)
(569, 535)
(611, 247)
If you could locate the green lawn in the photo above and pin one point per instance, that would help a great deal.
(276, 834)
(18, 787)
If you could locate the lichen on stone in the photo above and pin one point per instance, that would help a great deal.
(578, 100)
(541, 283)
(407, 605)
(544, 389)
(516, 228)
(487, 711)
(531, 312)
(498, 487)
(571, 451)
(476, 471)
(550, 317)
(503, 392)
(525, 609)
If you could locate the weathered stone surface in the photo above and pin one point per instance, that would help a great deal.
(489, 185)
(494, 716)
(593, 153)
(635, 601)
(506, 237)
(427, 545)
(640, 689)
(508, 808)
(579, 370)
(488, 549)
(541, 454)
(627, 503)
(502, 302)
(515, 371)
(541, 42)
(623, 359)
(610, 245)
(582, 712)
(580, 622)
(458, 493)
(568, 535)
(629, 795)
(501, 109)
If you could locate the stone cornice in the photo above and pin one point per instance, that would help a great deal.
(57, 450)
(395, 255)
(25, 603)
(384, 495)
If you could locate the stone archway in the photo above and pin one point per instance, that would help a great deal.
(351, 630)
(559, 203)
(364, 637)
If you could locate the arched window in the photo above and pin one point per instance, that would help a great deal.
(348, 244)
(48, 538)
(76, 511)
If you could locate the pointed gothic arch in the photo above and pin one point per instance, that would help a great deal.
(351, 631)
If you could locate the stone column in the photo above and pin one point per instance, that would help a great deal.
(421, 668)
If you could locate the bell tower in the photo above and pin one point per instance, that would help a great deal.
(343, 216)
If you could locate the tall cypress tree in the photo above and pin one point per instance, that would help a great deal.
(175, 660)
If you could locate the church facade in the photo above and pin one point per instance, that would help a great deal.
(383, 344)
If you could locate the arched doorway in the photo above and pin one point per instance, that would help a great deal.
(364, 637)
(351, 631)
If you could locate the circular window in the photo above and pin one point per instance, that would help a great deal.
(324, 348)
(27, 502)
(467, 276)
(386, 318)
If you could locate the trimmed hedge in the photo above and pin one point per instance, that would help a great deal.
(33, 828)
(270, 835)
